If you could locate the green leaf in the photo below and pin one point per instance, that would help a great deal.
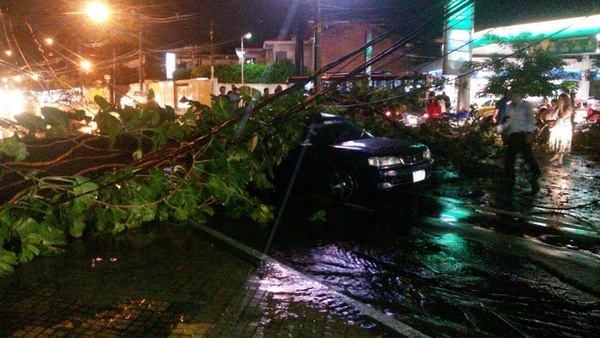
(77, 228)
(12, 147)
(28, 251)
(32, 122)
(118, 228)
(262, 214)
(318, 216)
(207, 210)
(101, 101)
(58, 121)
(108, 124)
(8, 259)
(26, 226)
(129, 114)
(181, 214)
(151, 116)
(83, 186)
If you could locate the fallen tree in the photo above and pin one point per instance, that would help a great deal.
(139, 166)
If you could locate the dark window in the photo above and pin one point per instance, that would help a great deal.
(281, 56)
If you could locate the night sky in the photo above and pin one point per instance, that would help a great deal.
(24, 20)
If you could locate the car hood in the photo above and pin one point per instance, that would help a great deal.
(381, 146)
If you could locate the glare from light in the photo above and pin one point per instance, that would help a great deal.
(247, 35)
(49, 41)
(12, 102)
(8, 52)
(97, 11)
(86, 65)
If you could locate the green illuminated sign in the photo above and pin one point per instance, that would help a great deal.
(457, 36)
(559, 31)
(581, 45)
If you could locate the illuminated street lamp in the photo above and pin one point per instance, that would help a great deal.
(97, 11)
(245, 36)
(86, 65)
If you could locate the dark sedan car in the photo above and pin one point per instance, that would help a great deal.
(348, 160)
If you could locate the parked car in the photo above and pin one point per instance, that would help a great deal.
(593, 111)
(414, 118)
(134, 99)
(346, 160)
(486, 109)
(409, 118)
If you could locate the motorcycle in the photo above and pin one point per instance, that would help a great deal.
(463, 117)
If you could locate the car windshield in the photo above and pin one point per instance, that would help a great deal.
(330, 131)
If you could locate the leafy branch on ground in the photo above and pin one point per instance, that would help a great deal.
(140, 166)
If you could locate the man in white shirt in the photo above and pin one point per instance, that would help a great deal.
(520, 128)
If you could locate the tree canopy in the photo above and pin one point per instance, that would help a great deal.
(529, 68)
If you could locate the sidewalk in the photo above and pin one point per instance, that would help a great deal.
(177, 283)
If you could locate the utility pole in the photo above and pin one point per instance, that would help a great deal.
(318, 37)
(114, 74)
(140, 56)
(212, 50)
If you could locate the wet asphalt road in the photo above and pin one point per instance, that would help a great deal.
(461, 257)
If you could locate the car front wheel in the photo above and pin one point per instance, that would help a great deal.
(343, 185)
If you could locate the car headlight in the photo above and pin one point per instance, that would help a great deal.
(427, 154)
(384, 161)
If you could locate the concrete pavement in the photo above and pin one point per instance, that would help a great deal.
(176, 282)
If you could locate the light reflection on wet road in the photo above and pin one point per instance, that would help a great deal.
(520, 264)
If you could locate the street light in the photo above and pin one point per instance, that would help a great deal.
(86, 65)
(97, 11)
(100, 13)
(245, 36)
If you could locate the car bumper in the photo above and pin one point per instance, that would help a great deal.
(390, 178)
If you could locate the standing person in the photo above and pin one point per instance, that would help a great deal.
(440, 100)
(501, 110)
(561, 134)
(266, 93)
(447, 102)
(547, 120)
(223, 93)
(500, 116)
(434, 110)
(234, 97)
(520, 127)
(573, 98)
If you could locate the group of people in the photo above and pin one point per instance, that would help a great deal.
(233, 96)
(267, 92)
(519, 127)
